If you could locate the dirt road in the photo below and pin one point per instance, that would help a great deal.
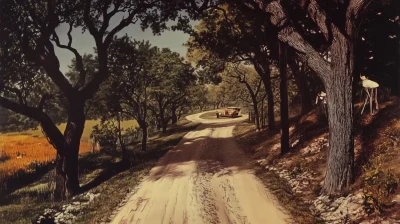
(205, 179)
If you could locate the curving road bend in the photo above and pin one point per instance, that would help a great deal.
(204, 179)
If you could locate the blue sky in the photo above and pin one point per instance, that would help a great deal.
(84, 42)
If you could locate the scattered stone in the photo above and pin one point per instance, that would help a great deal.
(295, 143)
(68, 212)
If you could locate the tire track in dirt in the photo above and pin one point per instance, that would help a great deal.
(204, 179)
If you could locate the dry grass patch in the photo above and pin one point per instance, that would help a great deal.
(100, 172)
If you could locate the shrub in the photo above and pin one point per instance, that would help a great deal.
(378, 185)
(106, 134)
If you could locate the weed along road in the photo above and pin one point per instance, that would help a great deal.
(204, 179)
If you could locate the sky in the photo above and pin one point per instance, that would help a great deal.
(84, 42)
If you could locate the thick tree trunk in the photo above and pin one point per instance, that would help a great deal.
(60, 179)
(284, 98)
(72, 134)
(339, 173)
(72, 169)
(340, 167)
(336, 75)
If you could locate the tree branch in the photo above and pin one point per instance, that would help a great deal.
(78, 57)
(89, 23)
(52, 132)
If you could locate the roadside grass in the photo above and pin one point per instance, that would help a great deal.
(86, 132)
(100, 172)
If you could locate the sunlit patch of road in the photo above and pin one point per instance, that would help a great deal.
(204, 179)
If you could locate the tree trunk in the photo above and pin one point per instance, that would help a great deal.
(265, 73)
(174, 117)
(144, 137)
(121, 142)
(284, 98)
(164, 126)
(60, 179)
(336, 75)
(255, 106)
(72, 134)
(301, 82)
(262, 113)
(256, 114)
(340, 167)
(397, 86)
(271, 112)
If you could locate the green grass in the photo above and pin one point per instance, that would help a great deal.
(86, 132)
(101, 172)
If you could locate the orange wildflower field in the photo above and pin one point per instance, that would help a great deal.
(19, 151)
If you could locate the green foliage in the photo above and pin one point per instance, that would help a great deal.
(378, 185)
(131, 132)
(106, 134)
(13, 122)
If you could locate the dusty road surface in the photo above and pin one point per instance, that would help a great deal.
(204, 179)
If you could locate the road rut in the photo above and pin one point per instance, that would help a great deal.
(204, 179)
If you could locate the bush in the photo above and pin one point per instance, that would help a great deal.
(378, 185)
(131, 134)
(106, 134)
